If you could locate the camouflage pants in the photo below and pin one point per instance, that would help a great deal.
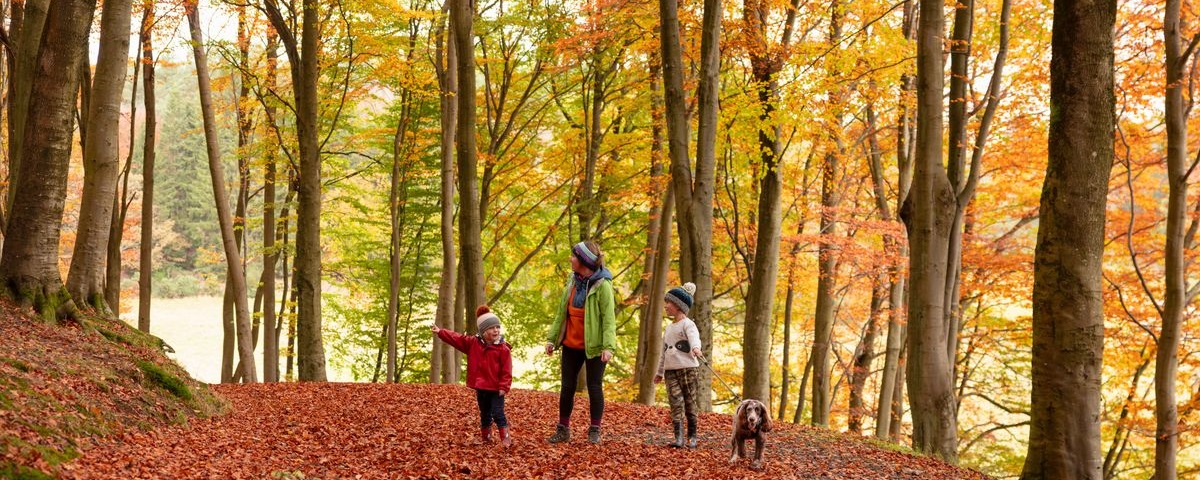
(683, 386)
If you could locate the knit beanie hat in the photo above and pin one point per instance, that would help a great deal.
(586, 256)
(485, 319)
(682, 296)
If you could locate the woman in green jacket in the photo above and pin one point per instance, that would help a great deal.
(585, 329)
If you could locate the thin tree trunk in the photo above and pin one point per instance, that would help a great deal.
(121, 202)
(85, 280)
(655, 302)
(270, 250)
(860, 367)
(827, 261)
(29, 265)
(1166, 364)
(803, 384)
(1068, 307)
(658, 240)
(398, 202)
(146, 249)
(233, 258)
(785, 382)
(443, 355)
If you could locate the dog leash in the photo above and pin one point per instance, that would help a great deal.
(736, 397)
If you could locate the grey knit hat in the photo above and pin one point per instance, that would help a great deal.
(682, 296)
(485, 319)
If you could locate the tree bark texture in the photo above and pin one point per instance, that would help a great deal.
(28, 21)
(29, 265)
(932, 205)
(469, 214)
(85, 280)
(1068, 317)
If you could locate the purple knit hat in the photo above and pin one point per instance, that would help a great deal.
(585, 256)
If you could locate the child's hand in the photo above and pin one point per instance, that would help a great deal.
(502, 393)
(435, 329)
(549, 349)
(658, 379)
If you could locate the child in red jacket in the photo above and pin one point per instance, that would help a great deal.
(489, 369)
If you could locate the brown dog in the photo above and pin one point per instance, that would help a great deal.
(750, 421)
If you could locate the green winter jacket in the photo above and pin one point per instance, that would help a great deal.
(599, 319)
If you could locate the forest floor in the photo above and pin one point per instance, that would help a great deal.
(332, 430)
(97, 399)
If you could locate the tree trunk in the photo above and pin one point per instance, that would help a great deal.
(443, 355)
(756, 352)
(121, 202)
(694, 188)
(658, 240)
(28, 21)
(29, 265)
(398, 202)
(1166, 365)
(863, 355)
(827, 261)
(1068, 316)
(146, 249)
(270, 250)
(85, 280)
(656, 300)
(304, 56)
(462, 22)
(233, 258)
(932, 205)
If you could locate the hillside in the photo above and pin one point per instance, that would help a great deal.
(64, 387)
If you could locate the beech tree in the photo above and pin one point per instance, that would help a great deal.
(29, 263)
(1068, 317)
(87, 275)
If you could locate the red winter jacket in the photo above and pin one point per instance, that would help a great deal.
(489, 367)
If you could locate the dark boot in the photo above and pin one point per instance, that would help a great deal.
(505, 439)
(691, 433)
(678, 443)
(561, 434)
(594, 434)
(485, 434)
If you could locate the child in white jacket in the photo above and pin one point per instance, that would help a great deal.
(679, 364)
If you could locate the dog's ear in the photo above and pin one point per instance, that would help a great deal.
(766, 419)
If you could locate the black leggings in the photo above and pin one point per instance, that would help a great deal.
(572, 361)
(491, 408)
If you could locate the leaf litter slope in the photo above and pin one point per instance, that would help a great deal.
(330, 430)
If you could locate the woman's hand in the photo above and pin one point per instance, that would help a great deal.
(658, 379)
(697, 353)
(549, 349)
(435, 329)
(605, 356)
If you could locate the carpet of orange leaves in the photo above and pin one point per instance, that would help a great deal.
(369, 431)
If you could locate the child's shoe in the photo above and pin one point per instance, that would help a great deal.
(505, 438)
(485, 435)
